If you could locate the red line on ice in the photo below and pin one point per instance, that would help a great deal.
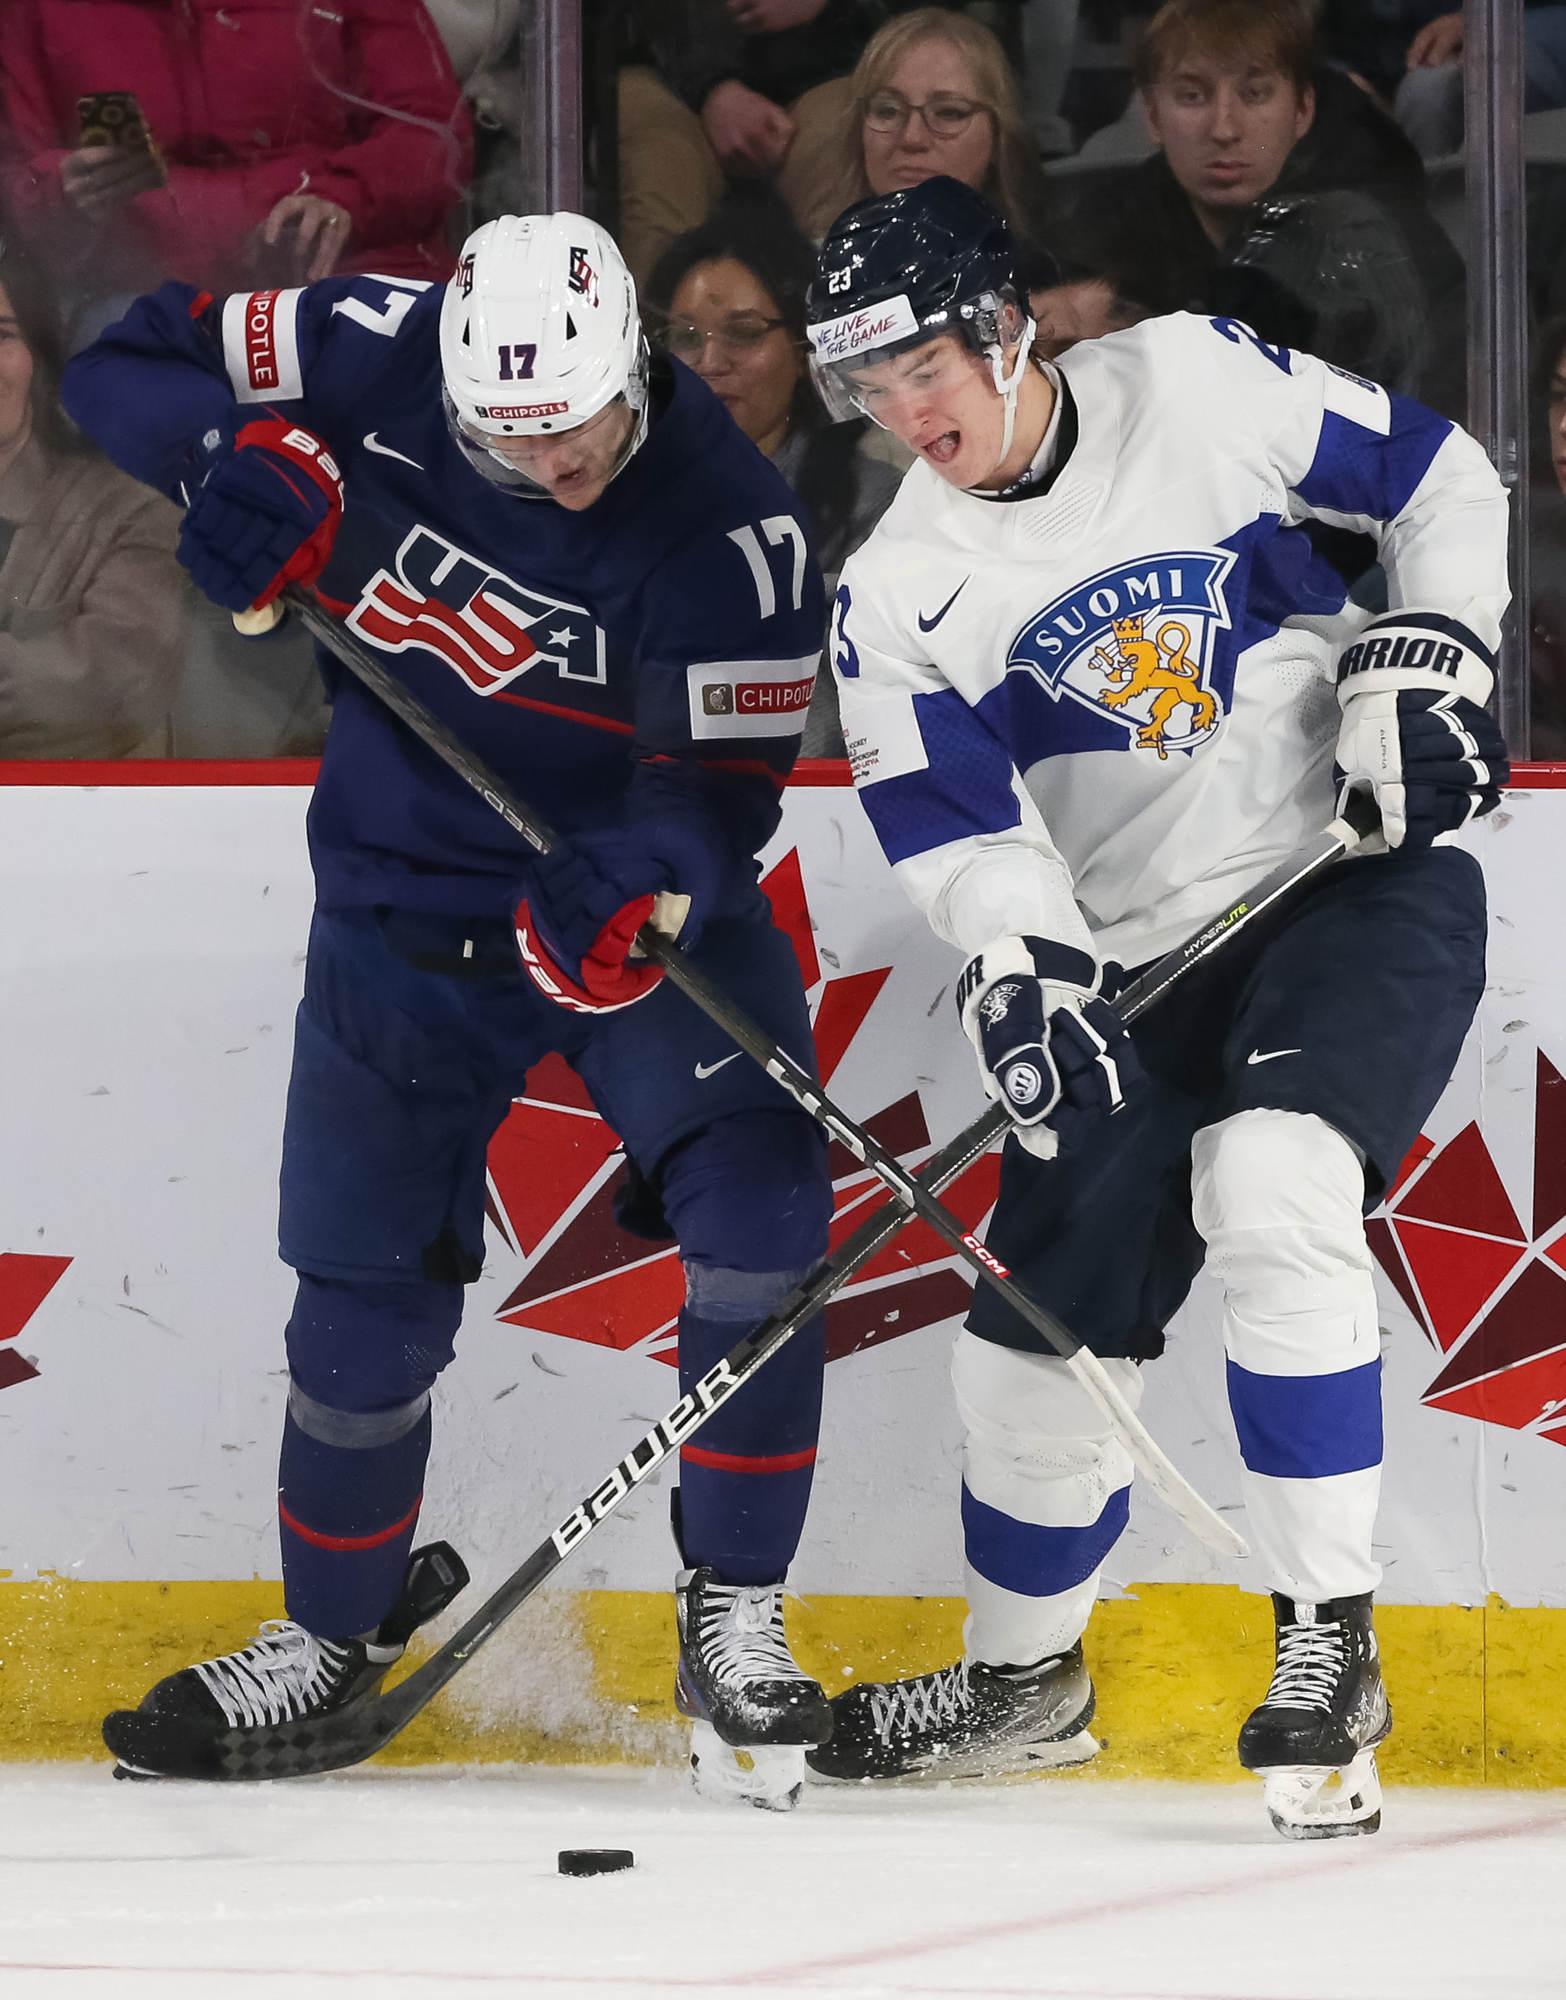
(1356, 1857)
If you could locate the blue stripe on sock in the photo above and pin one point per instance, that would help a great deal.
(1035, 1561)
(1307, 1426)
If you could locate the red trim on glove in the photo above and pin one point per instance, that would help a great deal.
(304, 449)
(610, 979)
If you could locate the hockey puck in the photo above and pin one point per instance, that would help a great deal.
(595, 1860)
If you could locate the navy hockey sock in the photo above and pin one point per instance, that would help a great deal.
(745, 1479)
(347, 1506)
(362, 1356)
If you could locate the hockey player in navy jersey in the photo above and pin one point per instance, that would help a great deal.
(1097, 664)
(578, 563)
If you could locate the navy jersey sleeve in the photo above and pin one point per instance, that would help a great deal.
(181, 365)
(731, 637)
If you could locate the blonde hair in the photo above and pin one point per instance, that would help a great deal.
(1011, 182)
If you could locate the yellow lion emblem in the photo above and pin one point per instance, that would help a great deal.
(1161, 665)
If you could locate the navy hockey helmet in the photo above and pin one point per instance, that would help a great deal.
(903, 268)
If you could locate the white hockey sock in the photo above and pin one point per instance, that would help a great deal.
(1045, 1490)
(1277, 1195)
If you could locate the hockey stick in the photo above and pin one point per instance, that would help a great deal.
(333, 1741)
(1160, 1473)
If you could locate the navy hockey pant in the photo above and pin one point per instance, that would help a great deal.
(413, 1038)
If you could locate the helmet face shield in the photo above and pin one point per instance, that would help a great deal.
(848, 354)
(878, 383)
(872, 333)
(504, 456)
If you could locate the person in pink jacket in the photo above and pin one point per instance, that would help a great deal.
(289, 141)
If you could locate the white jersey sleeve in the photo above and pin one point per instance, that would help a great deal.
(1353, 456)
(996, 870)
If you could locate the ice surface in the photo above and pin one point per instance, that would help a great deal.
(425, 1884)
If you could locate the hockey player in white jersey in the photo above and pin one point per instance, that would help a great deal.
(1097, 665)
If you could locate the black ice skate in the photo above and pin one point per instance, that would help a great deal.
(754, 1708)
(1313, 1740)
(230, 1718)
(964, 1721)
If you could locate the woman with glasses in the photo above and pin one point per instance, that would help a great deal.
(728, 300)
(933, 93)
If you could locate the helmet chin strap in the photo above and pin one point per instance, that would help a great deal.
(1007, 387)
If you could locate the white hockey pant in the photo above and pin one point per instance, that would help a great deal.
(1277, 1197)
(1046, 1489)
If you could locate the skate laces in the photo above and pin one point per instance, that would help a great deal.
(274, 1679)
(1310, 1659)
(901, 1707)
(742, 1633)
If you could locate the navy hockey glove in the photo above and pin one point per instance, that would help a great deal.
(264, 515)
(1054, 1053)
(1415, 731)
(592, 892)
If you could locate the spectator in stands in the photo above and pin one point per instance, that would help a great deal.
(1547, 545)
(728, 300)
(933, 94)
(483, 41)
(285, 142)
(733, 90)
(1430, 93)
(91, 598)
(1281, 194)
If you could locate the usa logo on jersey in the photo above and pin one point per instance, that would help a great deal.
(485, 626)
(1135, 645)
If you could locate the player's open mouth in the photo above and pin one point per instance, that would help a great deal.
(943, 449)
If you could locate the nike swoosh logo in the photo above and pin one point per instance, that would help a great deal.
(1272, 1055)
(371, 443)
(929, 624)
(704, 1070)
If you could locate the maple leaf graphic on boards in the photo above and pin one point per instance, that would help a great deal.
(554, 1163)
(1489, 1294)
(25, 1282)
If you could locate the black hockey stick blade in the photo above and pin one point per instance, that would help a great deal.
(147, 1747)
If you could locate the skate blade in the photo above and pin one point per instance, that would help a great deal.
(769, 1775)
(1309, 1802)
(1011, 1760)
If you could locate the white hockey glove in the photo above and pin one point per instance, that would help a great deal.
(1056, 1055)
(1413, 687)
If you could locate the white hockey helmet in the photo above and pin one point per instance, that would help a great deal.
(538, 333)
